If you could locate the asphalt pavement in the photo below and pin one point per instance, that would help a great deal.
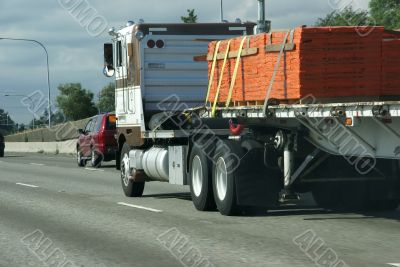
(53, 213)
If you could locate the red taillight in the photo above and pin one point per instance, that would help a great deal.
(151, 43)
(160, 44)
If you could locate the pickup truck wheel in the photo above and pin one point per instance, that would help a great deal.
(81, 162)
(96, 159)
(200, 180)
(131, 188)
(2, 153)
(225, 171)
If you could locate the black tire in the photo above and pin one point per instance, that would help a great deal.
(96, 158)
(130, 188)
(378, 197)
(325, 198)
(385, 205)
(2, 153)
(200, 179)
(81, 162)
(225, 169)
(346, 196)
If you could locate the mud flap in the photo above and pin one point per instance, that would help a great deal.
(256, 185)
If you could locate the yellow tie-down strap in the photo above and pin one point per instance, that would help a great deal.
(233, 81)
(220, 80)
(212, 71)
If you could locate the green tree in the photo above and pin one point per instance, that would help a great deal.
(106, 101)
(21, 127)
(386, 13)
(190, 18)
(56, 118)
(75, 101)
(6, 123)
(345, 17)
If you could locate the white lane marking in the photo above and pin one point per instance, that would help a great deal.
(36, 164)
(395, 264)
(138, 207)
(94, 170)
(27, 185)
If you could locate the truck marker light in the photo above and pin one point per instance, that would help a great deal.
(160, 44)
(349, 122)
(151, 43)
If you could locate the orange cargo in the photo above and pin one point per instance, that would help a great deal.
(323, 61)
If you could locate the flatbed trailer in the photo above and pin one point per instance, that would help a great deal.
(252, 155)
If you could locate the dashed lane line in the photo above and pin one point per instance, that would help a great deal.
(94, 170)
(139, 207)
(27, 185)
(36, 164)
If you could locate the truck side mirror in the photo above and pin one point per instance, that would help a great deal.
(108, 70)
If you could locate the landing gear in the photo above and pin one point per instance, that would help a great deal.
(288, 170)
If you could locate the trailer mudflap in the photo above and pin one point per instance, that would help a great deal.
(257, 185)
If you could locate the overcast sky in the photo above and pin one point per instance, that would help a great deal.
(76, 53)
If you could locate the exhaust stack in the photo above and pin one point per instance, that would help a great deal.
(262, 24)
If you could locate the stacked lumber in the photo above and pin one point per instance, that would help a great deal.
(391, 64)
(327, 62)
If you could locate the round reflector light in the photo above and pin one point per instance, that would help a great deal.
(151, 43)
(160, 44)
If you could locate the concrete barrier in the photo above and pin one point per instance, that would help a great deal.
(65, 147)
(61, 132)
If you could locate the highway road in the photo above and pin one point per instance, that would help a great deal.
(53, 213)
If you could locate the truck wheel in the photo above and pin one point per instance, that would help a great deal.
(347, 196)
(378, 197)
(2, 153)
(200, 179)
(385, 205)
(131, 188)
(225, 170)
(96, 159)
(81, 162)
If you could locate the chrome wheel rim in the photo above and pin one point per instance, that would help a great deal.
(78, 156)
(221, 178)
(125, 169)
(197, 176)
(93, 158)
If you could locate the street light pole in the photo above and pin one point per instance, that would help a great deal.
(222, 11)
(48, 68)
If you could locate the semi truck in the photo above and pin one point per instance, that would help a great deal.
(236, 158)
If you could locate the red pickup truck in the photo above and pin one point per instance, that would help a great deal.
(96, 142)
